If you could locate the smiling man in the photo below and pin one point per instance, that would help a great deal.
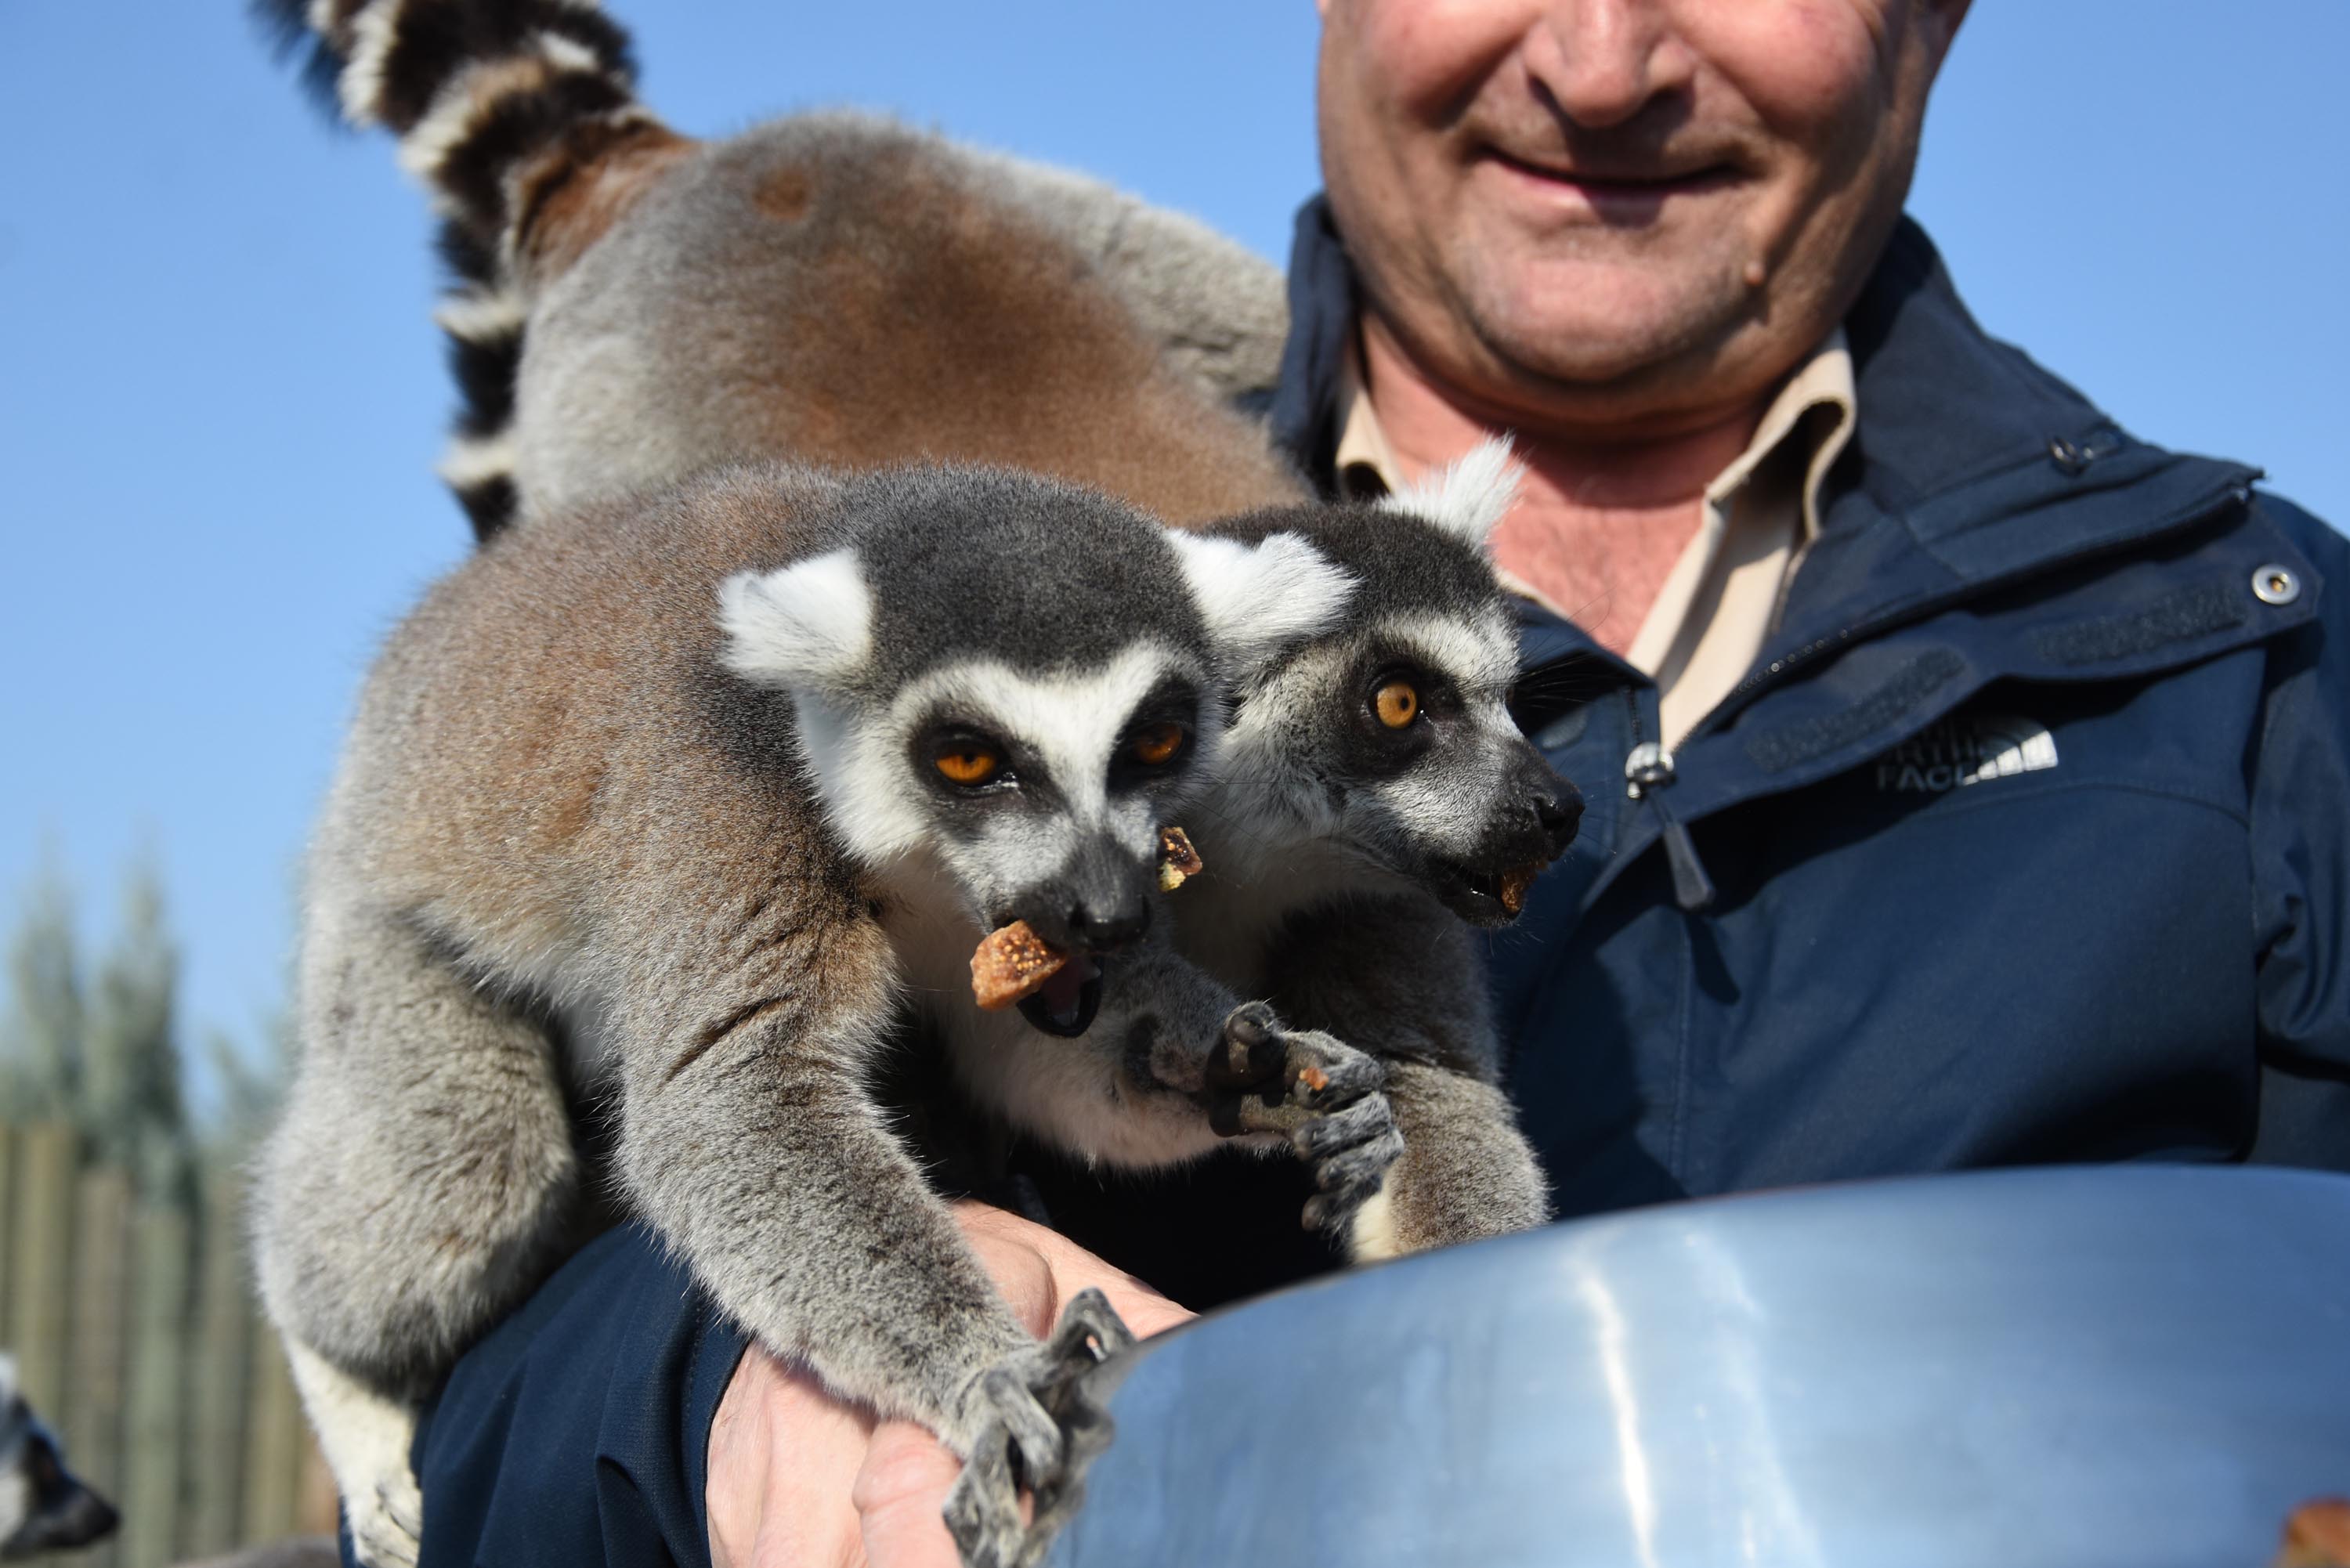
(1968, 779)
(1628, 234)
(1981, 770)
(1978, 771)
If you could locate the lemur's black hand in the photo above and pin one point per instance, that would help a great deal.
(1043, 1432)
(1319, 1091)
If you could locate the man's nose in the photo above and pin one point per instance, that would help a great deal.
(1599, 62)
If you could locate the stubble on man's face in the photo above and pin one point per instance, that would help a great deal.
(1636, 214)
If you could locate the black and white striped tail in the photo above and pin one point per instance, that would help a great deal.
(478, 91)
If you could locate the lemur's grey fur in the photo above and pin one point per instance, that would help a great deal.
(640, 808)
(520, 118)
(840, 290)
(44, 1507)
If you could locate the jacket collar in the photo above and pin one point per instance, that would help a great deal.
(1307, 397)
(1972, 467)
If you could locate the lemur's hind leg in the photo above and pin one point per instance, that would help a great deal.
(1467, 1172)
(364, 1433)
(421, 1180)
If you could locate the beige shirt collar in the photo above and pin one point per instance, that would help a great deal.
(1720, 602)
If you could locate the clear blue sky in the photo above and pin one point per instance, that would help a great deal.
(220, 397)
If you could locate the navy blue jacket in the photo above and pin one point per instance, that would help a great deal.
(2027, 839)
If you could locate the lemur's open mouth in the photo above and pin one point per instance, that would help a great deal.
(1475, 896)
(1480, 896)
(1065, 1004)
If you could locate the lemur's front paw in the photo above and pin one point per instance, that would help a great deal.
(1037, 1413)
(387, 1523)
(1319, 1091)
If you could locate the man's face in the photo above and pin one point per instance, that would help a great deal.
(1621, 213)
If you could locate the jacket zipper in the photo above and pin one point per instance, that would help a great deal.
(1648, 772)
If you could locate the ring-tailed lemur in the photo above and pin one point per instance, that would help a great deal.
(1377, 788)
(838, 289)
(680, 806)
(44, 1507)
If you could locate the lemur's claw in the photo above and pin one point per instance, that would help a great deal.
(1249, 1055)
(1041, 1418)
(1323, 1095)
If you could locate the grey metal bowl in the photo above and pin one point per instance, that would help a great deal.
(2137, 1366)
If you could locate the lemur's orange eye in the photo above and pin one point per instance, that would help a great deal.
(1157, 744)
(1396, 704)
(966, 764)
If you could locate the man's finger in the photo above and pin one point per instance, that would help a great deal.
(784, 1453)
(900, 1494)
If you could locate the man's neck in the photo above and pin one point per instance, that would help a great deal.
(1599, 519)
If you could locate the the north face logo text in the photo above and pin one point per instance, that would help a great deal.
(1966, 749)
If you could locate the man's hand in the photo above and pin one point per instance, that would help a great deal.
(799, 1478)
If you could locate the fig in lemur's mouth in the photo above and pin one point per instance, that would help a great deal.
(1065, 1004)
(1011, 962)
(1057, 992)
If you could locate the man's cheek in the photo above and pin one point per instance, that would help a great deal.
(1816, 73)
(1415, 60)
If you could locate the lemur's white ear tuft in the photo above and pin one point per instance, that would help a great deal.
(1258, 598)
(807, 624)
(1469, 497)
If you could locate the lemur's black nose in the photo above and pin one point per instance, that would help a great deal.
(1097, 931)
(65, 1513)
(1558, 811)
(1075, 922)
(1098, 900)
(83, 1517)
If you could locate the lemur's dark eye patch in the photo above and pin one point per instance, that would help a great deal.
(1155, 746)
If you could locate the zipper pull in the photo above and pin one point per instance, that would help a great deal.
(1647, 770)
(1692, 889)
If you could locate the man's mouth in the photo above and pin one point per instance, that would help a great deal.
(1065, 1005)
(1615, 189)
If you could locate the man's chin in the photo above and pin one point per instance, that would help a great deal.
(1605, 322)
(1596, 344)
